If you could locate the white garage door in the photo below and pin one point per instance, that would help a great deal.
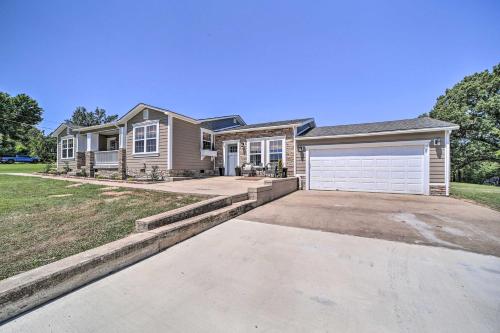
(398, 169)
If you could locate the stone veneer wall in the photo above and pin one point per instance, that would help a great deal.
(122, 163)
(80, 160)
(437, 189)
(190, 173)
(89, 163)
(243, 136)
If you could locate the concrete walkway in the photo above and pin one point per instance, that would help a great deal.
(208, 186)
(245, 276)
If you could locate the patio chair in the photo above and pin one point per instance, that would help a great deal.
(247, 169)
(271, 170)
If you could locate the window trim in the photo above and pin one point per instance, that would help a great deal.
(262, 150)
(144, 124)
(66, 138)
(283, 150)
(203, 130)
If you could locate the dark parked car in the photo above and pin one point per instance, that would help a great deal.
(19, 158)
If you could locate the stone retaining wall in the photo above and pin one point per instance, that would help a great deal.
(273, 189)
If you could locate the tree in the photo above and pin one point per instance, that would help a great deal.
(41, 145)
(82, 117)
(473, 104)
(18, 114)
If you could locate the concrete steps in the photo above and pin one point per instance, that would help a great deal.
(176, 232)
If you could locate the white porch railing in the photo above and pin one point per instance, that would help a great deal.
(106, 158)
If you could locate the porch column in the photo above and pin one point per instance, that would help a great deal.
(80, 147)
(92, 146)
(122, 153)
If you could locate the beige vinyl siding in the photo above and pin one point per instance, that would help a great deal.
(136, 162)
(72, 161)
(436, 153)
(186, 147)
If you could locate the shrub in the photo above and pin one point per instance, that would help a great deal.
(48, 167)
(66, 167)
(155, 174)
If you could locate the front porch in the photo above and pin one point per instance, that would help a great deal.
(105, 152)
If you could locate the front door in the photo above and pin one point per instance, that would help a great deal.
(232, 159)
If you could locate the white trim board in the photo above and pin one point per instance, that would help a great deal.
(422, 130)
(370, 144)
(447, 162)
(170, 142)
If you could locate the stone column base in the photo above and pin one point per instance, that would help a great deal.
(122, 163)
(89, 163)
(437, 190)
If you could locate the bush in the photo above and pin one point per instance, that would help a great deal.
(66, 167)
(48, 167)
(155, 174)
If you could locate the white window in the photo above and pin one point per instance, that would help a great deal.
(67, 148)
(146, 138)
(206, 140)
(112, 143)
(275, 151)
(255, 152)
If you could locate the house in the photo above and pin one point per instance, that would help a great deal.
(402, 156)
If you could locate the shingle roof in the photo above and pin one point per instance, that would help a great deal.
(383, 126)
(271, 124)
(219, 123)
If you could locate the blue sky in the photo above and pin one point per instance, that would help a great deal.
(340, 62)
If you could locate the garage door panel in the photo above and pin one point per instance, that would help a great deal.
(397, 169)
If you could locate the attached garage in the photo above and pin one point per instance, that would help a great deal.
(409, 156)
(397, 167)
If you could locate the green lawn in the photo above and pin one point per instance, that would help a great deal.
(44, 220)
(483, 194)
(22, 167)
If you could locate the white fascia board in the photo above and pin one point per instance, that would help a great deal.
(58, 130)
(257, 129)
(225, 117)
(138, 108)
(421, 130)
(305, 122)
(112, 125)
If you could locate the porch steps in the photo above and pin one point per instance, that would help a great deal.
(177, 232)
(159, 220)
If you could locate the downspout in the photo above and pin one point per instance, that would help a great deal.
(447, 161)
(294, 151)
(170, 141)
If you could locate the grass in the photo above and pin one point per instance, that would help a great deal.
(44, 220)
(22, 167)
(484, 194)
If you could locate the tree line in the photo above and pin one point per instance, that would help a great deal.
(19, 134)
(473, 104)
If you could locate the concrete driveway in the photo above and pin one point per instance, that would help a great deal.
(438, 221)
(245, 276)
